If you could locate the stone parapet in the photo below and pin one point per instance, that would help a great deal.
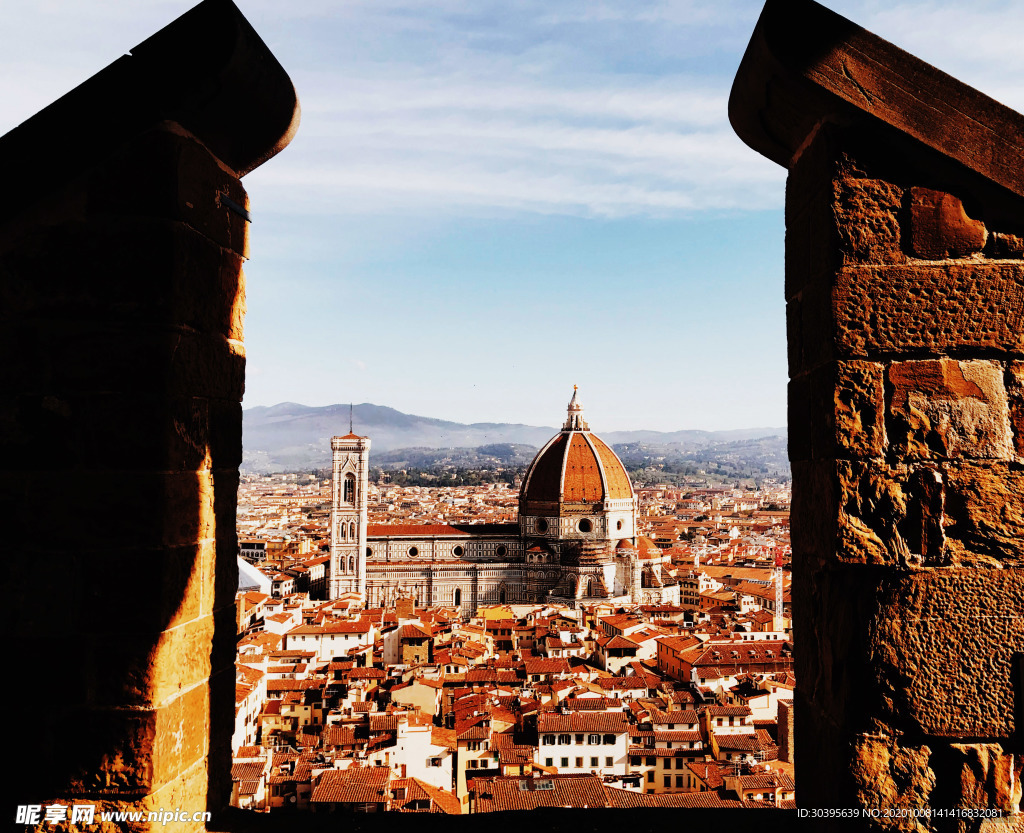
(905, 312)
(121, 244)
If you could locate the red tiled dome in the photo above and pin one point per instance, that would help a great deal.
(575, 467)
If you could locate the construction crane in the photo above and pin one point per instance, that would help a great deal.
(778, 591)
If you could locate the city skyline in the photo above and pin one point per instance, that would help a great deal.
(486, 204)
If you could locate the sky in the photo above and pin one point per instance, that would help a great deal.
(489, 202)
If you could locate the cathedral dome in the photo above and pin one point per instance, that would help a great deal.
(575, 470)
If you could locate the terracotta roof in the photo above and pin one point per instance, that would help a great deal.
(544, 665)
(422, 530)
(338, 736)
(352, 786)
(418, 792)
(613, 722)
(247, 771)
(522, 793)
(709, 772)
(576, 467)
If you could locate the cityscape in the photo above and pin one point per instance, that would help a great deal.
(568, 640)
(301, 490)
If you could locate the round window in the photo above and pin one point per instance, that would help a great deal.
(542, 525)
(501, 550)
(618, 524)
(585, 525)
(457, 551)
(369, 552)
(413, 551)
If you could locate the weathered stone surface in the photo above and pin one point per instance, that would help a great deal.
(112, 753)
(147, 669)
(837, 410)
(866, 214)
(904, 309)
(984, 513)
(890, 774)
(873, 502)
(810, 248)
(942, 647)
(1007, 246)
(940, 228)
(181, 734)
(979, 775)
(1015, 394)
(945, 408)
(811, 328)
(814, 510)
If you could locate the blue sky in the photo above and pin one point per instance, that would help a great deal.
(488, 202)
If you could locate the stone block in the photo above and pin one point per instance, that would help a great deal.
(187, 792)
(225, 572)
(168, 173)
(1014, 381)
(836, 410)
(814, 513)
(892, 774)
(225, 439)
(149, 669)
(112, 753)
(942, 649)
(866, 214)
(132, 271)
(940, 228)
(984, 513)
(221, 729)
(180, 737)
(77, 359)
(978, 776)
(873, 502)
(112, 509)
(810, 328)
(177, 580)
(811, 245)
(86, 431)
(928, 309)
(942, 408)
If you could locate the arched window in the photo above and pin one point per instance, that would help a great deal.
(352, 530)
(351, 563)
(501, 597)
(458, 596)
(343, 531)
(349, 495)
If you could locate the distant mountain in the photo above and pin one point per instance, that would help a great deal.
(289, 436)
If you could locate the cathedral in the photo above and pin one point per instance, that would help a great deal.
(575, 541)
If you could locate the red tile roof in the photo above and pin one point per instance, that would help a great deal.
(524, 793)
(612, 722)
(352, 786)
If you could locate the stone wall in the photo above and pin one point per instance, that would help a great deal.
(904, 285)
(121, 251)
(904, 335)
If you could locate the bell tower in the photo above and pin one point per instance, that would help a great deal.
(350, 478)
